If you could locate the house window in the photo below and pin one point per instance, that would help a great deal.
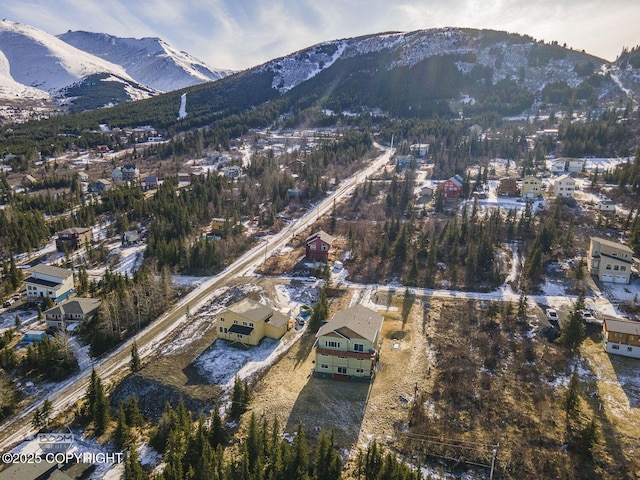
(225, 330)
(312, 246)
(616, 268)
(629, 349)
(324, 366)
(324, 247)
(608, 267)
(251, 324)
(359, 370)
(615, 347)
(244, 323)
(331, 344)
(222, 319)
(623, 268)
(235, 322)
(358, 347)
(221, 330)
(342, 370)
(239, 335)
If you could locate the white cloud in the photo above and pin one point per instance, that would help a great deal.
(241, 34)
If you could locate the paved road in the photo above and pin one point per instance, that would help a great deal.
(71, 391)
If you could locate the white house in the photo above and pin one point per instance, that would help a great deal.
(47, 281)
(564, 186)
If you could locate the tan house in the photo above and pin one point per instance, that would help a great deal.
(621, 337)
(610, 261)
(69, 314)
(248, 322)
(564, 186)
(347, 345)
(531, 187)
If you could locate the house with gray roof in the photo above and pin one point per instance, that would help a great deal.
(347, 346)
(71, 312)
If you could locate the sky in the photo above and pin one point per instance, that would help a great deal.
(239, 34)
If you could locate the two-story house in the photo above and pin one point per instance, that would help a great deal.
(621, 337)
(564, 186)
(72, 238)
(47, 281)
(452, 187)
(69, 314)
(318, 246)
(609, 260)
(347, 345)
(531, 187)
(248, 322)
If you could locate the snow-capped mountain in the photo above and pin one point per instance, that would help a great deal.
(150, 61)
(41, 65)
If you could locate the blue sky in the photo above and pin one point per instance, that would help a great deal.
(240, 34)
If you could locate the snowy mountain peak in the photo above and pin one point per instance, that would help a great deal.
(40, 60)
(150, 60)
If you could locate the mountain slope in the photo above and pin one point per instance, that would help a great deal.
(150, 61)
(41, 61)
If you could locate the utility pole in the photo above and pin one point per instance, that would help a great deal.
(493, 460)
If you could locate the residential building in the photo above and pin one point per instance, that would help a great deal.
(100, 186)
(117, 175)
(318, 246)
(232, 171)
(564, 186)
(248, 322)
(47, 281)
(347, 345)
(69, 314)
(405, 161)
(621, 337)
(420, 149)
(130, 172)
(508, 187)
(562, 165)
(531, 187)
(609, 260)
(606, 206)
(72, 238)
(452, 187)
(150, 183)
(130, 237)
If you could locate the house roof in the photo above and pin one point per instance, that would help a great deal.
(354, 322)
(77, 306)
(252, 310)
(62, 273)
(564, 178)
(74, 231)
(622, 326)
(612, 244)
(322, 235)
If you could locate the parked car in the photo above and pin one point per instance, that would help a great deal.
(7, 304)
(587, 316)
(552, 314)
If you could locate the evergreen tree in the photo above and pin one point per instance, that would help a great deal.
(573, 331)
(135, 364)
(132, 467)
(97, 403)
(122, 434)
(572, 397)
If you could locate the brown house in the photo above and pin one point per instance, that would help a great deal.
(72, 238)
(508, 187)
(318, 246)
(621, 337)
